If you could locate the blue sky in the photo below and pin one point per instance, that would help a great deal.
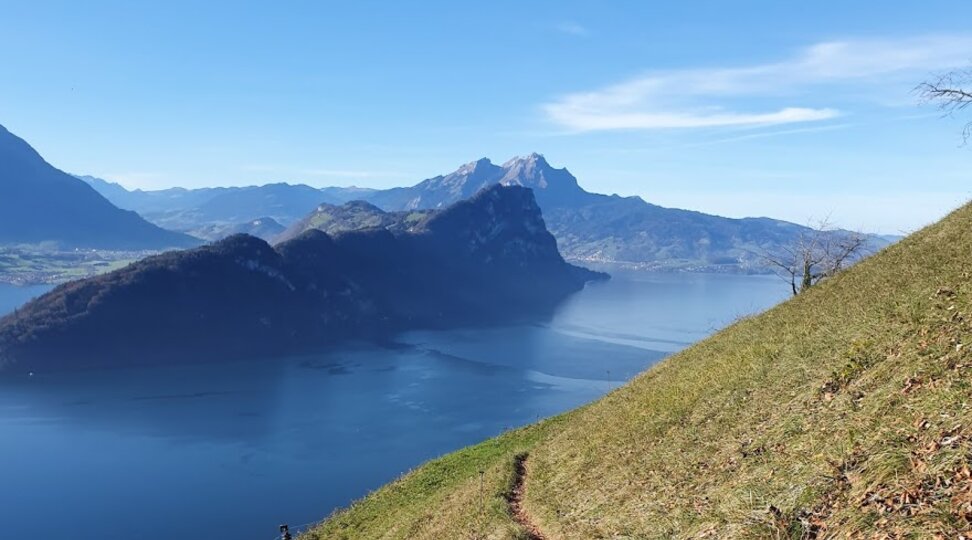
(793, 110)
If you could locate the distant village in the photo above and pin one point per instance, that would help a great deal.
(40, 265)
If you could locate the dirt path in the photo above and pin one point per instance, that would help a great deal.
(515, 500)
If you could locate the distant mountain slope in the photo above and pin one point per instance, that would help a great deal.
(485, 259)
(629, 230)
(600, 228)
(39, 203)
(279, 201)
(222, 208)
(152, 202)
(353, 216)
(589, 227)
(842, 413)
(264, 228)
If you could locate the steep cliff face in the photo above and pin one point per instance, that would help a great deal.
(495, 226)
(486, 259)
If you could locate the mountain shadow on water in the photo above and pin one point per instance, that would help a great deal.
(483, 260)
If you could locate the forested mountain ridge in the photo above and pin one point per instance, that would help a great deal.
(486, 259)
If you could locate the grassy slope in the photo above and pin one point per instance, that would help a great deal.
(842, 413)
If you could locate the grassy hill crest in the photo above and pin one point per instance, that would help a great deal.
(844, 412)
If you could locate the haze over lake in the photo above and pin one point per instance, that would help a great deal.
(232, 450)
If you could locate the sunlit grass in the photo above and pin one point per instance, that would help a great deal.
(842, 412)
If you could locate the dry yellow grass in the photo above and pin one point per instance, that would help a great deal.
(842, 413)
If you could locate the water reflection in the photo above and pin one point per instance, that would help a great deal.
(163, 453)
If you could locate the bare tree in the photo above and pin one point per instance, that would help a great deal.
(818, 253)
(952, 92)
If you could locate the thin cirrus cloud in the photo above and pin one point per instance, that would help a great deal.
(739, 96)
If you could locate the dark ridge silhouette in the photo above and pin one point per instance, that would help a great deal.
(486, 259)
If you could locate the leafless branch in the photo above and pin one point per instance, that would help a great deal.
(952, 92)
(818, 253)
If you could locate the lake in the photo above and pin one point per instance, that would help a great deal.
(233, 450)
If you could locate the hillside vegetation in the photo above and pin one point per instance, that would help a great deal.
(242, 298)
(843, 413)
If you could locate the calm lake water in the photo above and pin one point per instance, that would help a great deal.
(232, 450)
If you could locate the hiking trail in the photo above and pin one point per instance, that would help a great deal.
(515, 500)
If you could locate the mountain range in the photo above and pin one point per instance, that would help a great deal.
(597, 228)
(485, 259)
(589, 227)
(39, 203)
(213, 213)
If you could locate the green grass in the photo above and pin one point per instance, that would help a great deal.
(407, 507)
(844, 412)
(320, 219)
(31, 265)
(415, 217)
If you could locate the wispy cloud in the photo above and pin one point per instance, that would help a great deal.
(767, 134)
(572, 28)
(760, 94)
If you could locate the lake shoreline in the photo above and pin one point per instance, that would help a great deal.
(245, 445)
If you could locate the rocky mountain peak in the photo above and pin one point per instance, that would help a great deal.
(530, 161)
(475, 166)
(556, 186)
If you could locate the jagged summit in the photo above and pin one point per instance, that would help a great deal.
(552, 185)
(474, 166)
(588, 226)
(532, 170)
(608, 228)
(531, 159)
